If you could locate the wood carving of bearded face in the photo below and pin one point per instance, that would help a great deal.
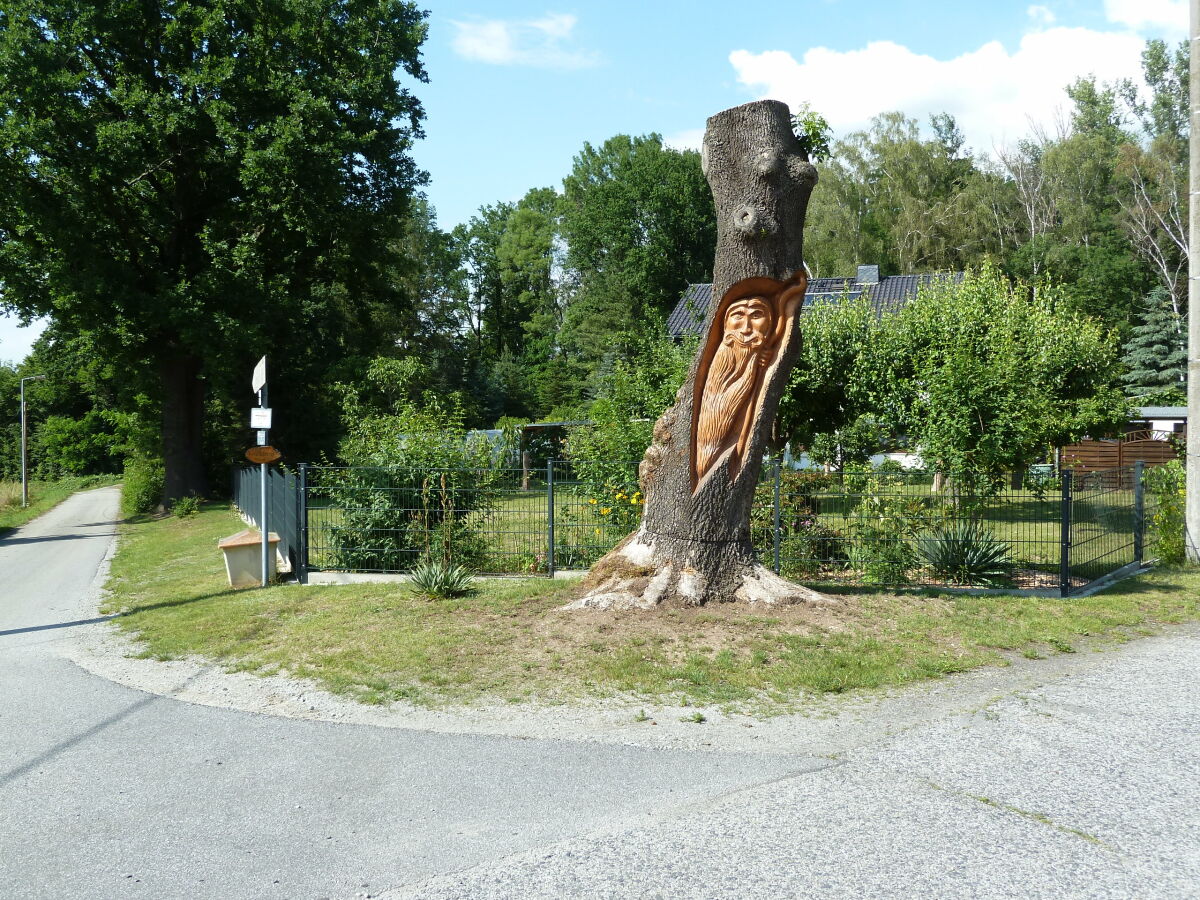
(743, 343)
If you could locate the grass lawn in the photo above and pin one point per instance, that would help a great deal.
(509, 640)
(43, 496)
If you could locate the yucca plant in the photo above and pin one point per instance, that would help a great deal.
(966, 553)
(440, 579)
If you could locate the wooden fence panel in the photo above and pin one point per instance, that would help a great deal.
(1092, 455)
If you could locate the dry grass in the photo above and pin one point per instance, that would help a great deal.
(10, 494)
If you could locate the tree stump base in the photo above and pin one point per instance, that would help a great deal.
(645, 573)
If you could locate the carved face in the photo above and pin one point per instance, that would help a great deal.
(748, 322)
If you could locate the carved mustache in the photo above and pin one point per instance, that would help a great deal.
(752, 339)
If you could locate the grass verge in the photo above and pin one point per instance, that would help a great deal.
(43, 496)
(509, 641)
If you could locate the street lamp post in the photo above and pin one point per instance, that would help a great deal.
(1192, 467)
(24, 469)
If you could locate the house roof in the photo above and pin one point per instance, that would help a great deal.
(1162, 412)
(886, 295)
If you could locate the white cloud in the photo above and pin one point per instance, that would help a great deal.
(1042, 15)
(691, 139)
(535, 42)
(993, 94)
(1167, 16)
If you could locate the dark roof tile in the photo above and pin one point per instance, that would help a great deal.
(889, 294)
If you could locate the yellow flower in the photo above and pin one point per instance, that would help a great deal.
(634, 501)
(597, 532)
(592, 501)
(621, 495)
(606, 510)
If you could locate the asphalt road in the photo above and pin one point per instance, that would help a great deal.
(1086, 784)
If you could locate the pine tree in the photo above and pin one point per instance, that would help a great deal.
(1156, 354)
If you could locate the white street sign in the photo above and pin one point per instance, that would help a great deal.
(259, 381)
(260, 417)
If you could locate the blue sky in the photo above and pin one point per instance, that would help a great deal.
(516, 88)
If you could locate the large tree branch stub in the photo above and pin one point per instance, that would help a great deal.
(700, 472)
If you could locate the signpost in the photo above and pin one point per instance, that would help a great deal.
(260, 419)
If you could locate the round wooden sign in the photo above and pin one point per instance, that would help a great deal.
(263, 455)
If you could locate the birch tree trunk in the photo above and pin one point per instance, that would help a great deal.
(699, 474)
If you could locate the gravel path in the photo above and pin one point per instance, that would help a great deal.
(1075, 776)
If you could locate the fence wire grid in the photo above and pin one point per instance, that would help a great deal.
(892, 528)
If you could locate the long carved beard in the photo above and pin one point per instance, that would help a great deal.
(724, 405)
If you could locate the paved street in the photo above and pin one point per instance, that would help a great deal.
(1081, 782)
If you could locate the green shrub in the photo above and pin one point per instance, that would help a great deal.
(442, 580)
(882, 557)
(810, 546)
(1167, 526)
(891, 467)
(417, 487)
(142, 486)
(186, 507)
(883, 529)
(632, 396)
(967, 553)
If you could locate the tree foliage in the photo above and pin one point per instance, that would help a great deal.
(639, 226)
(830, 384)
(241, 174)
(1156, 353)
(985, 379)
(632, 397)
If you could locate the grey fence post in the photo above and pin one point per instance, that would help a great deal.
(550, 517)
(775, 529)
(1139, 511)
(1064, 550)
(302, 524)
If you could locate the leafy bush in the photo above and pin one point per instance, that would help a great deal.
(891, 467)
(186, 507)
(857, 477)
(967, 553)
(810, 546)
(416, 486)
(142, 487)
(883, 529)
(437, 578)
(854, 442)
(633, 396)
(1168, 528)
(385, 521)
(805, 543)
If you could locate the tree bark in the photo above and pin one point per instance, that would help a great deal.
(182, 429)
(700, 473)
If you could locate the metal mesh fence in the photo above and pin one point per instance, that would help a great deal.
(1104, 521)
(896, 528)
(283, 506)
(907, 528)
(365, 519)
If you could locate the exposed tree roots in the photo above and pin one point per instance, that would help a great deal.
(645, 572)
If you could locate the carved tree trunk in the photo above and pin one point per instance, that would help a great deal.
(700, 473)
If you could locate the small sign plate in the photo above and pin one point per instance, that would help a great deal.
(260, 417)
(263, 455)
(259, 380)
